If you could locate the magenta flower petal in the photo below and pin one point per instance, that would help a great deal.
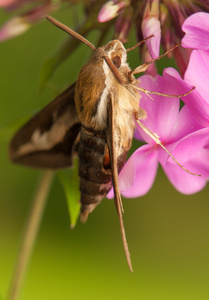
(138, 174)
(178, 130)
(20, 24)
(152, 26)
(193, 153)
(197, 74)
(196, 28)
(185, 124)
(13, 27)
(183, 182)
(6, 2)
(163, 112)
(110, 10)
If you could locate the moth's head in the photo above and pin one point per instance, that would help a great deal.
(116, 52)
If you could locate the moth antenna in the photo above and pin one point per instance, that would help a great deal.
(143, 68)
(138, 44)
(125, 244)
(160, 94)
(71, 32)
(158, 142)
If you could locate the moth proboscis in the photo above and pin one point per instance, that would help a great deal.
(93, 119)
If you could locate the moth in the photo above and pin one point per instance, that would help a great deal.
(93, 119)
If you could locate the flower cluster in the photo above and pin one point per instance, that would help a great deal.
(162, 18)
(183, 132)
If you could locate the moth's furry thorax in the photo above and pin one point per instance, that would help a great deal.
(97, 86)
(96, 83)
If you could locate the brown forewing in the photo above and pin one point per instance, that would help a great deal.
(49, 139)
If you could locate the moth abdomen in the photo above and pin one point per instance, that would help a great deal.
(95, 175)
(95, 180)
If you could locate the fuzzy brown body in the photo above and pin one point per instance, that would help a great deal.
(77, 122)
(96, 84)
(94, 119)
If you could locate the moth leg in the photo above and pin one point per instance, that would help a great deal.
(161, 94)
(139, 43)
(144, 67)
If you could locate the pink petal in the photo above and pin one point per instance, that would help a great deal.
(162, 113)
(151, 26)
(197, 100)
(13, 27)
(185, 124)
(17, 5)
(20, 24)
(39, 12)
(138, 174)
(110, 11)
(193, 153)
(6, 2)
(197, 74)
(183, 182)
(196, 28)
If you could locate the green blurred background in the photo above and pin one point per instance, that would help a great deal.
(168, 233)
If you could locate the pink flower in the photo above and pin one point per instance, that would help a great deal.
(161, 18)
(179, 132)
(110, 10)
(151, 26)
(164, 19)
(197, 74)
(196, 29)
(13, 27)
(4, 3)
(21, 23)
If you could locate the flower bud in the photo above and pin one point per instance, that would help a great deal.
(110, 10)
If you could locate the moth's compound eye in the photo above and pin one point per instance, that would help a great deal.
(117, 61)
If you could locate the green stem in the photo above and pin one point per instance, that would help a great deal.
(30, 234)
